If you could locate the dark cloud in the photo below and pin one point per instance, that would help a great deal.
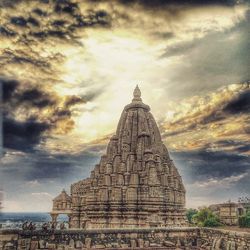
(61, 166)
(55, 19)
(235, 146)
(19, 57)
(19, 21)
(41, 165)
(227, 142)
(9, 87)
(59, 113)
(33, 21)
(43, 172)
(72, 100)
(14, 95)
(10, 4)
(27, 133)
(66, 6)
(44, 1)
(213, 176)
(93, 18)
(57, 33)
(37, 98)
(199, 165)
(23, 135)
(241, 104)
(39, 12)
(4, 31)
(59, 22)
(181, 130)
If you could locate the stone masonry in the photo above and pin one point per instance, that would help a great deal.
(111, 239)
(135, 185)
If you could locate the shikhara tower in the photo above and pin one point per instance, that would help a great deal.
(135, 185)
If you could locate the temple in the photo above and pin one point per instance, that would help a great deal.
(135, 185)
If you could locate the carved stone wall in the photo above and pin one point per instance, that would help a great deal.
(224, 239)
(155, 238)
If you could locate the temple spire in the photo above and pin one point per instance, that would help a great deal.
(137, 94)
(134, 185)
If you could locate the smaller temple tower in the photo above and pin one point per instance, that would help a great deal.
(61, 205)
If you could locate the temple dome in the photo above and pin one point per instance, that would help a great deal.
(137, 128)
(63, 196)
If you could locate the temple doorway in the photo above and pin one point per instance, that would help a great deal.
(60, 220)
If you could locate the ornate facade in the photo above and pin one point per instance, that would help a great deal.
(135, 185)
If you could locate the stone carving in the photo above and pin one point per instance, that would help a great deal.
(134, 180)
(88, 242)
(147, 238)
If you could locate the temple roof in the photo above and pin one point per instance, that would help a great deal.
(63, 196)
(137, 124)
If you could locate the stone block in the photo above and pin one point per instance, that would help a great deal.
(34, 245)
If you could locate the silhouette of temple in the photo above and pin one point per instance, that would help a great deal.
(135, 185)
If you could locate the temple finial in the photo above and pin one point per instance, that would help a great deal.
(137, 94)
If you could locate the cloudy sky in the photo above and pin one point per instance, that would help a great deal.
(68, 67)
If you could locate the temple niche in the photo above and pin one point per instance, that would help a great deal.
(135, 185)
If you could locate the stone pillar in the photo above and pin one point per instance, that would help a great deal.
(54, 217)
(69, 222)
(87, 242)
(1, 244)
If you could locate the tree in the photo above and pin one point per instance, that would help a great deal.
(206, 218)
(190, 213)
(212, 222)
(244, 220)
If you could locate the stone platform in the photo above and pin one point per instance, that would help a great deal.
(150, 238)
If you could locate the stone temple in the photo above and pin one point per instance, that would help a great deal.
(135, 185)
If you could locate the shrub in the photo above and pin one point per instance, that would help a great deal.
(206, 218)
(190, 213)
(244, 220)
(212, 222)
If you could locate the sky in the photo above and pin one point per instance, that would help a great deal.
(68, 68)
